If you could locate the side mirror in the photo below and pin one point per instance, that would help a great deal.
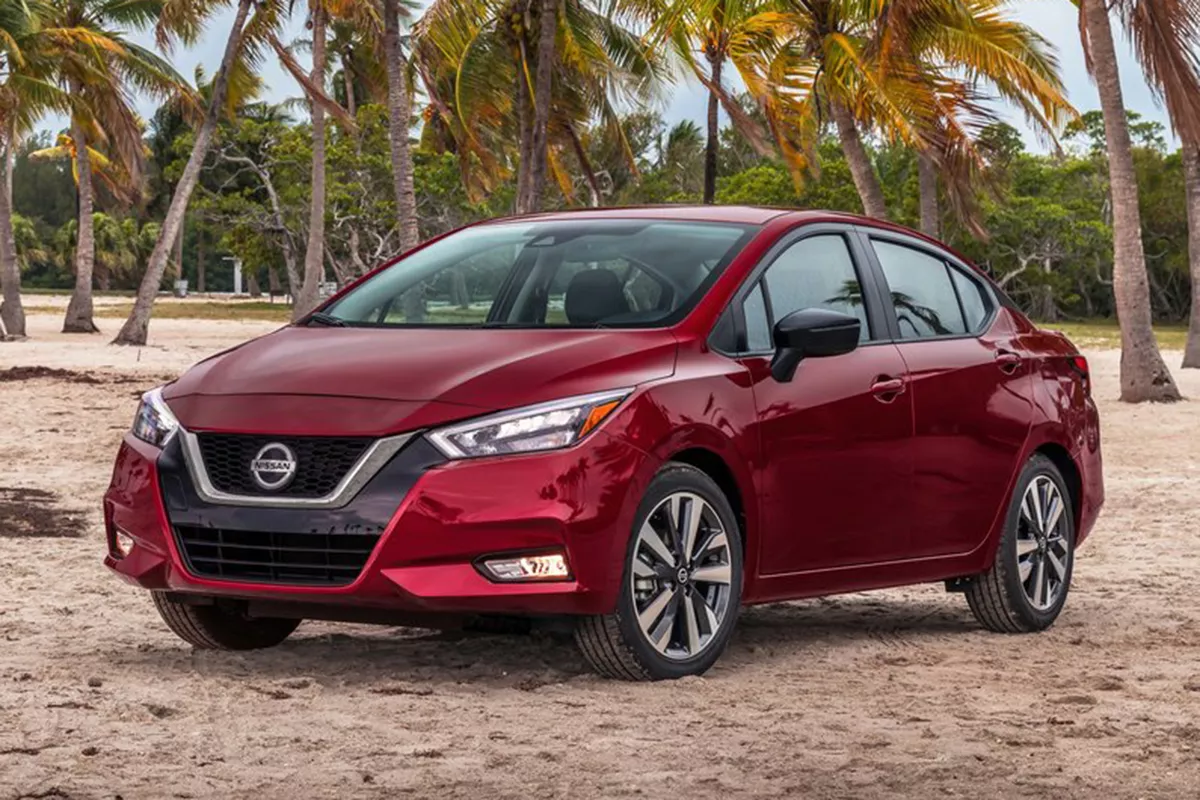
(811, 333)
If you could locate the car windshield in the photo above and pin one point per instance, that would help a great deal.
(554, 274)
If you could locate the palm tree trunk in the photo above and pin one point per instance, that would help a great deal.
(927, 183)
(348, 83)
(12, 314)
(79, 310)
(585, 164)
(399, 116)
(314, 255)
(543, 84)
(138, 325)
(1191, 172)
(861, 169)
(177, 269)
(712, 145)
(524, 138)
(200, 282)
(1144, 376)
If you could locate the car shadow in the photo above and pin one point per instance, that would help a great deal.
(379, 657)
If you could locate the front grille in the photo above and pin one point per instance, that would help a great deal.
(311, 559)
(321, 462)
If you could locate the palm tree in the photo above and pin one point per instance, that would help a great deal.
(1191, 172)
(249, 36)
(16, 22)
(25, 94)
(314, 254)
(320, 16)
(1163, 36)
(912, 71)
(743, 32)
(478, 60)
(530, 198)
(994, 54)
(98, 65)
(399, 102)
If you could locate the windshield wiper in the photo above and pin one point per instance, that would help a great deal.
(321, 318)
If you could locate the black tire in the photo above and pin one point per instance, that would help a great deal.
(998, 598)
(213, 627)
(614, 644)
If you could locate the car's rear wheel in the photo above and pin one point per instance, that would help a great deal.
(681, 587)
(217, 627)
(1027, 586)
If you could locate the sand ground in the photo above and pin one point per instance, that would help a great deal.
(890, 694)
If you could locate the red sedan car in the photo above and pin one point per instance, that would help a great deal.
(635, 421)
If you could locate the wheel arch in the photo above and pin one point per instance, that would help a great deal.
(1061, 458)
(714, 466)
(712, 453)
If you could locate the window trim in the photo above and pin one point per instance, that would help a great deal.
(879, 330)
(868, 233)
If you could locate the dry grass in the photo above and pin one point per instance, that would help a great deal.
(1104, 334)
(252, 310)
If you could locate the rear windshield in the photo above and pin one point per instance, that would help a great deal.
(554, 274)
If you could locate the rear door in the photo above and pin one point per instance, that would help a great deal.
(835, 473)
(969, 386)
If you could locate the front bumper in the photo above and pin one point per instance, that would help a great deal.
(437, 519)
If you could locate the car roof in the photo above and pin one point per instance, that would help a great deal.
(743, 215)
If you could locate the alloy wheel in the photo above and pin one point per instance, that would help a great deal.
(1043, 548)
(681, 576)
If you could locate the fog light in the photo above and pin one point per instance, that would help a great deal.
(545, 567)
(122, 544)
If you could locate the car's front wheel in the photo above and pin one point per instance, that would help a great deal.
(681, 586)
(1026, 588)
(217, 627)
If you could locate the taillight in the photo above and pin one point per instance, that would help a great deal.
(1080, 365)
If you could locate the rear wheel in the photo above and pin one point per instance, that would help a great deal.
(681, 587)
(1026, 588)
(217, 627)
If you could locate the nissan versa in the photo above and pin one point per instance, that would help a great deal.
(631, 421)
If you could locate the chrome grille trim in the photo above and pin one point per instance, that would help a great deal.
(371, 461)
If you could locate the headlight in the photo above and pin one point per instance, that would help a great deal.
(154, 423)
(548, 426)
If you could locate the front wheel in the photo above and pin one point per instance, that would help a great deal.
(216, 627)
(681, 586)
(1026, 588)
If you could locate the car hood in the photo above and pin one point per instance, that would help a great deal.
(359, 381)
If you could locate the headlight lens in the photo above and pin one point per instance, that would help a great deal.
(548, 426)
(154, 423)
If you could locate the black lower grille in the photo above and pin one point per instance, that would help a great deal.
(321, 462)
(310, 559)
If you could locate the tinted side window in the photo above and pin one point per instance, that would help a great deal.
(816, 272)
(922, 293)
(975, 305)
(758, 328)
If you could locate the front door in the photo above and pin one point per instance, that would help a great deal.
(836, 440)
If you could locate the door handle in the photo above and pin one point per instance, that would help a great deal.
(886, 388)
(1008, 361)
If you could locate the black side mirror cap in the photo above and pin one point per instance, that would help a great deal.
(811, 333)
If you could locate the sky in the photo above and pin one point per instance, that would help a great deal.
(1056, 20)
